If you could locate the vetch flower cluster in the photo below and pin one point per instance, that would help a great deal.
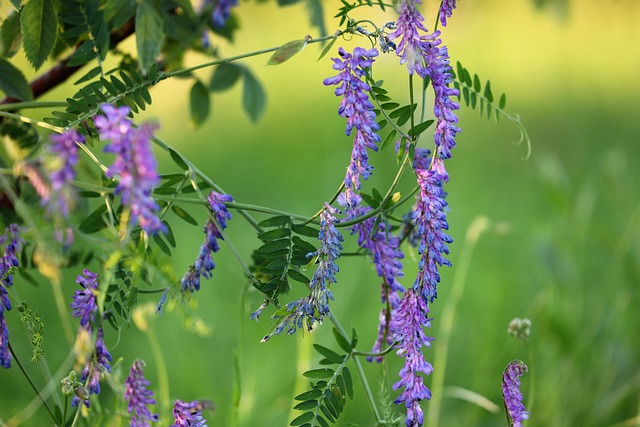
(85, 307)
(358, 110)
(446, 10)
(511, 394)
(64, 149)
(204, 265)
(138, 396)
(313, 308)
(134, 166)
(10, 246)
(188, 414)
(409, 25)
(222, 12)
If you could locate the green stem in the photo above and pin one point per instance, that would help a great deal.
(64, 413)
(31, 104)
(163, 377)
(382, 353)
(32, 384)
(24, 119)
(477, 227)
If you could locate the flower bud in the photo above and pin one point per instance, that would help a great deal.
(82, 393)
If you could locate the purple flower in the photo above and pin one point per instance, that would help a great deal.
(222, 12)
(188, 414)
(135, 164)
(10, 246)
(138, 397)
(85, 307)
(64, 148)
(446, 9)
(358, 110)
(313, 308)
(204, 265)
(407, 323)
(409, 26)
(430, 221)
(511, 395)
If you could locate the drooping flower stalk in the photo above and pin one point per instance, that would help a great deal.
(204, 265)
(511, 394)
(138, 396)
(187, 414)
(134, 165)
(358, 110)
(312, 309)
(10, 246)
(85, 307)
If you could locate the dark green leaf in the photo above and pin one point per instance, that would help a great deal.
(503, 101)
(78, 105)
(371, 201)
(94, 222)
(275, 245)
(302, 419)
(382, 124)
(387, 140)
(287, 51)
(348, 381)
(474, 99)
(329, 45)
(319, 373)
(321, 421)
(39, 23)
(169, 235)
(161, 244)
(224, 76)
(465, 95)
(181, 213)
(418, 129)
(298, 277)
(390, 105)
(305, 246)
(10, 36)
(117, 12)
(460, 71)
(17, 4)
(149, 33)
(178, 160)
(305, 230)
(329, 354)
(487, 91)
(308, 404)
(476, 83)
(13, 83)
(275, 221)
(278, 233)
(354, 337)
(342, 341)
(254, 99)
(89, 75)
(199, 103)
(316, 16)
(311, 394)
(327, 413)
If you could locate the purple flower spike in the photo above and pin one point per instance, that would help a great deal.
(188, 414)
(446, 9)
(65, 148)
(431, 224)
(409, 26)
(204, 265)
(135, 164)
(85, 307)
(222, 12)
(511, 395)
(10, 246)
(357, 109)
(138, 397)
(407, 323)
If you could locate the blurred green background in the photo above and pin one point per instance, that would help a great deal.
(562, 249)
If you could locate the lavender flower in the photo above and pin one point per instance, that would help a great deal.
(511, 395)
(407, 323)
(134, 164)
(409, 26)
(187, 414)
(446, 9)
(10, 246)
(222, 12)
(204, 265)
(313, 308)
(138, 397)
(85, 307)
(357, 109)
(430, 221)
(65, 149)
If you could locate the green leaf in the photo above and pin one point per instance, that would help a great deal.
(278, 233)
(177, 159)
(181, 213)
(342, 341)
(149, 33)
(254, 99)
(308, 404)
(371, 201)
(302, 419)
(354, 337)
(328, 47)
(161, 244)
(487, 92)
(390, 105)
(503, 101)
(39, 23)
(287, 51)
(224, 76)
(10, 36)
(418, 129)
(13, 83)
(348, 381)
(199, 103)
(311, 394)
(275, 221)
(476, 83)
(89, 75)
(117, 12)
(298, 277)
(94, 222)
(321, 421)
(331, 355)
(305, 230)
(274, 246)
(387, 140)
(319, 373)
(17, 4)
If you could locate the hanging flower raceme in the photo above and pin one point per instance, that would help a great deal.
(85, 307)
(10, 246)
(358, 110)
(64, 150)
(188, 414)
(312, 309)
(511, 394)
(386, 255)
(135, 164)
(446, 10)
(409, 47)
(408, 321)
(138, 396)
(204, 265)
(430, 221)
